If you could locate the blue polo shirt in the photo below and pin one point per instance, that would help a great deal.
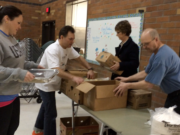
(164, 70)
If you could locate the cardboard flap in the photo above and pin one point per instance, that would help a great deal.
(85, 87)
(140, 92)
(117, 59)
(105, 91)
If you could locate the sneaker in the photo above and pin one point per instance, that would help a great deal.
(39, 133)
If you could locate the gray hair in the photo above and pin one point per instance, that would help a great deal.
(152, 32)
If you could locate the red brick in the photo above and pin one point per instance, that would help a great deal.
(146, 3)
(156, 14)
(146, 15)
(150, 20)
(137, 5)
(175, 5)
(169, 25)
(162, 31)
(173, 43)
(170, 12)
(132, 11)
(176, 37)
(166, 37)
(163, 19)
(153, 25)
(169, 1)
(174, 31)
(175, 18)
(163, 7)
(125, 7)
(152, 8)
(144, 58)
(157, 2)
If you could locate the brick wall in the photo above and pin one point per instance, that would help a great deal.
(31, 20)
(58, 9)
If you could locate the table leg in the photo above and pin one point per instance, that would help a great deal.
(72, 117)
(101, 129)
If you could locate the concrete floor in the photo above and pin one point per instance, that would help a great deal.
(30, 110)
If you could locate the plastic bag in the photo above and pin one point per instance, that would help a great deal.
(164, 121)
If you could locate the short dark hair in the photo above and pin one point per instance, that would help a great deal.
(10, 11)
(124, 27)
(64, 31)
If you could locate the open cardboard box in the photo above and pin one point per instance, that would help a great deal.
(65, 84)
(106, 59)
(139, 99)
(97, 95)
(85, 125)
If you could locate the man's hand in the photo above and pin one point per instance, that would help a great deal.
(90, 74)
(77, 80)
(123, 87)
(40, 67)
(29, 77)
(122, 79)
(116, 66)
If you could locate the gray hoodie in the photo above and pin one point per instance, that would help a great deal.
(12, 65)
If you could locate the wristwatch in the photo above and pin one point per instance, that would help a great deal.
(91, 68)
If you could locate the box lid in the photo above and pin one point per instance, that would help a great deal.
(140, 92)
(104, 89)
(85, 87)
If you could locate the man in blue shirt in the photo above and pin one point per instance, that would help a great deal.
(163, 70)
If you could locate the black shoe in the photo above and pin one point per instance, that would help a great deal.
(110, 132)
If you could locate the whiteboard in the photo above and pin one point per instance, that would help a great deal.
(101, 34)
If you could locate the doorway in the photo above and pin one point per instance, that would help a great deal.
(48, 31)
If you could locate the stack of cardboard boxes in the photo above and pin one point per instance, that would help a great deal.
(99, 95)
(96, 95)
(139, 99)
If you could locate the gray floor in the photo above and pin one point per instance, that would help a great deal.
(30, 110)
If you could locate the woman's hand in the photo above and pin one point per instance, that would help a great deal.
(116, 66)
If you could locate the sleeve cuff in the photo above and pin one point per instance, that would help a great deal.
(22, 74)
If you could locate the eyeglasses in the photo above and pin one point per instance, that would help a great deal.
(147, 43)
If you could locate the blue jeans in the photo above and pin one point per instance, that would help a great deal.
(173, 99)
(46, 119)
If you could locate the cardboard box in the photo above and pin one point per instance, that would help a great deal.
(83, 126)
(65, 84)
(139, 99)
(81, 73)
(107, 59)
(100, 96)
(96, 95)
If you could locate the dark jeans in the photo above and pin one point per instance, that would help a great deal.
(173, 99)
(46, 119)
(9, 118)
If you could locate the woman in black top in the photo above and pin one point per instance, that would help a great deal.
(127, 51)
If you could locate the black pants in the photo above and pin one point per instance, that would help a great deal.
(9, 118)
(173, 99)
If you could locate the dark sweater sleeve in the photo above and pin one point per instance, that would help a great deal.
(133, 61)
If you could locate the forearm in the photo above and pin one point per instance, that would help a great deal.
(84, 62)
(140, 85)
(64, 74)
(137, 77)
(30, 64)
(11, 74)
